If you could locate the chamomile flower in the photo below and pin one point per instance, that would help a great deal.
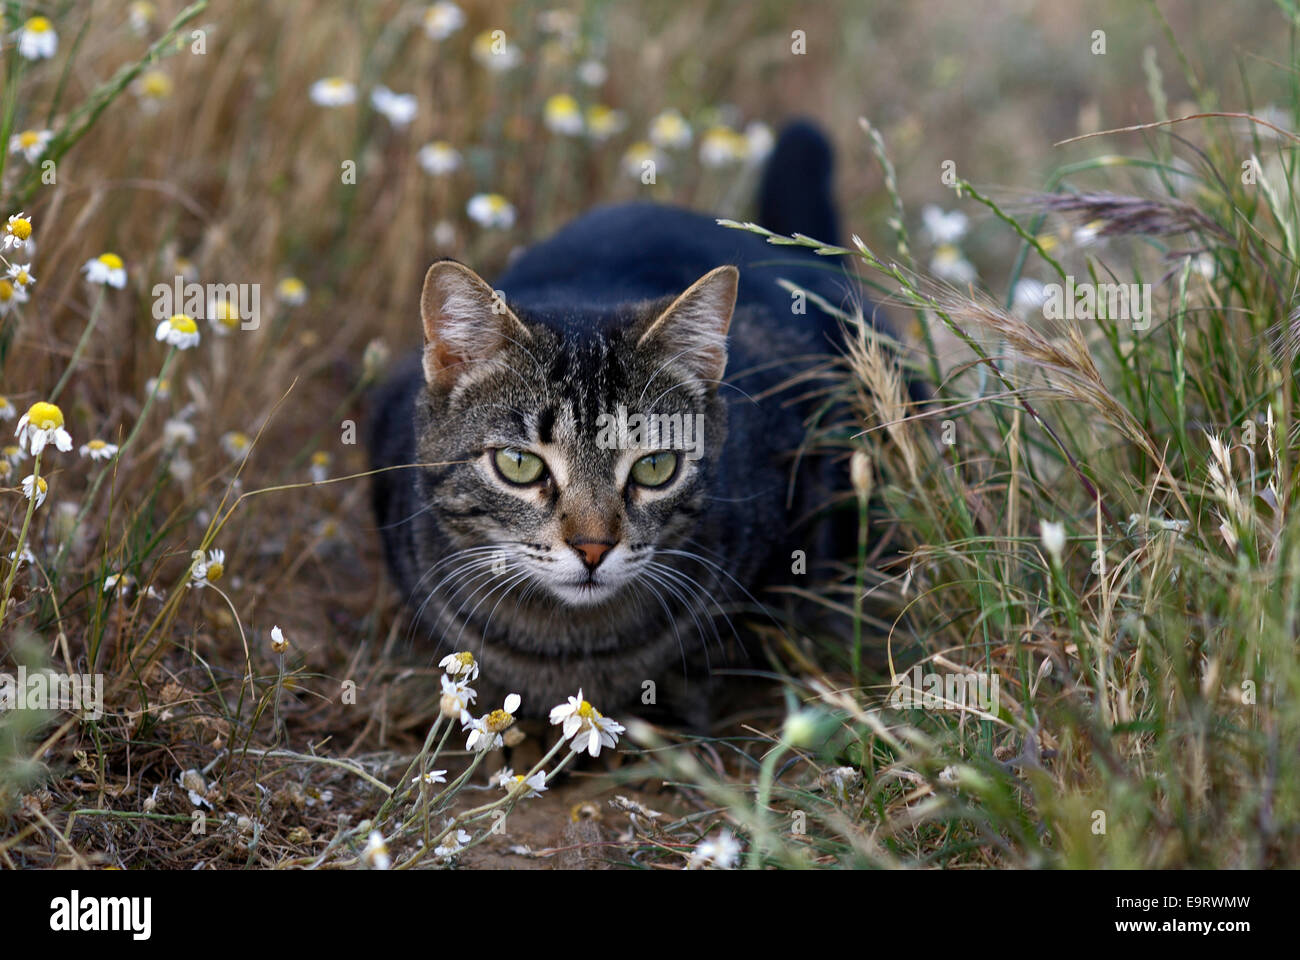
(640, 157)
(209, 569)
(7, 410)
(180, 331)
(460, 665)
(457, 695)
(485, 732)
(10, 295)
(670, 131)
(604, 122)
(592, 73)
(223, 315)
(25, 557)
(152, 88)
(236, 444)
(278, 643)
(438, 158)
(759, 141)
(376, 853)
(42, 424)
(291, 291)
(20, 275)
(1029, 296)
(399, 108)
(113, 579)
(140, 16)
(949, 264)
(494, 50)
(491, 210)
(942, 227)
(333, 92)
(443, 19)
(12, 454)
(178, 433)
(720, 146)
(1087, 234)
(586, 726)
(34, 485)
(1053, 536)
(320, 466)
(107, 269)
(452, 845)
(18, 230)
(528, 787)
(432, 777)
(99, 450)
(721, 850)
(562, 115)
(30, 143)
(159, 387)
(37, 39)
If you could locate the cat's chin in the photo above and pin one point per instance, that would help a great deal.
(583, 594)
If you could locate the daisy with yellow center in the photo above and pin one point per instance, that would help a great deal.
(223, 316)
(12, 453)
(37, 39)
(41, 425)
(586, 726)
(208, 569)
(492, 49)
(99, 450)
(7, 409)
(152, 88)
(485, 732)
(438, 158)
(10, 296)
(236, 444)
(603, 122)
(491, 210)
(37, 485)
(30, 143)
(18, 230)
(160, 387)
(526, 787)
(460, 665)
(443, 19)
(333, 92)
(107, 269)
(320, 466)
(180, 331)
(21, 276)
(637, 156)
(721, 146)
(140, 15)
(670, 131)
(457, 695)
(291, 291)
(562, 115)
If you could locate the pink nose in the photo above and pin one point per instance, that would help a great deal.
(591, 551)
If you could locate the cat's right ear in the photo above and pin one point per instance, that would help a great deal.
(466, 323)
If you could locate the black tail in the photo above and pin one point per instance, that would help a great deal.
(795, 193)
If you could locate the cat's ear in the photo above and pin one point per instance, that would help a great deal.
(693, 329)
(466, 322)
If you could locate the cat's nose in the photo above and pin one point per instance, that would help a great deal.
(591, 551)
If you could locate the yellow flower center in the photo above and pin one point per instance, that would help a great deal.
(215, 570)
(588, 712)
(10, 451)
(498, 720)
(225, 312)
(182, 323)
(37, 25)
(6, 290)
(291, 286)
(156, 84)
(28, 139)
(21, 228)
(110, 260)
(465, 660)
(23, 278)
(320, 458)
(45, 416)
(238, 440)
(96, 445)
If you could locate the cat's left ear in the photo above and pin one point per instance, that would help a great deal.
(466, 322)
(693, 328)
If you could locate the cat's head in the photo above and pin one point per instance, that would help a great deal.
(583, 438)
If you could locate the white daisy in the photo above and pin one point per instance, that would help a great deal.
(223, 315)
(592, 73)
(10, 295)
(604, 122)
(638, 155)
(670, 130)
(949, 264)
(181, 332)
(376, 853)
(438, 158)
(32, 482)
(37, 39)
(562, 115)
(333, 92)
(20, 274)
(209, 569)
(320, 466)
(432, 777)
(113, 579)
(40, 425)
(236, 444)
(491, 210)
(452, 845)
(721, 146)
(99, 450)
(278, 643)
(291, 292)
(530, 787)
(457, 695)
(399, 108)
(721, 851)
(107, 269)
(460, 665)
(493, 50)
(942, 227)
(443, 19)
(26, 557)
(485, 732)
(759, 141)
(586, 726)
(7, 410)
(18, 231)
(30, 143)
(177, 432)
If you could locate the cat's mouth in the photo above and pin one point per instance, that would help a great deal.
(586, 591)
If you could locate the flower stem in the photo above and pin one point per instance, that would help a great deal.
(81, 346)
(22, 538)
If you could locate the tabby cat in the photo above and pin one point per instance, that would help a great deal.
(609, 446)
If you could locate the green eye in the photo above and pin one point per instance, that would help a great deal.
(519, 466)
(655, 470)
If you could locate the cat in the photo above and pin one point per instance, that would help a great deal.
(607, 445)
